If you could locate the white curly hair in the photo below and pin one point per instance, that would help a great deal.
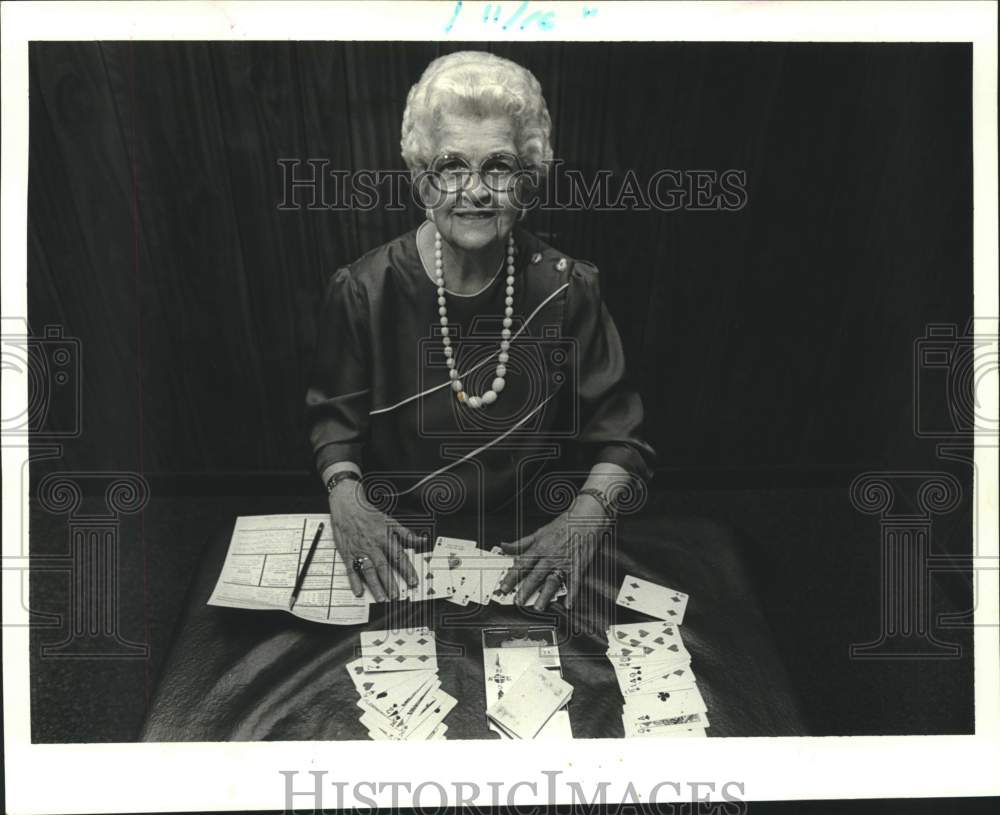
(481, 84)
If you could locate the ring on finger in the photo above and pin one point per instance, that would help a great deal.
(359, 564)
(559, 575)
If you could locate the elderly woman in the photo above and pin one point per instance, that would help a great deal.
(467, 351)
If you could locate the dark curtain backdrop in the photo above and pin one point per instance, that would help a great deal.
(776, 337)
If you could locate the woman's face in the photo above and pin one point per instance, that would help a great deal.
(476, 216)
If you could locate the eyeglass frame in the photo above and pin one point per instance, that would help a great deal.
(519, 171)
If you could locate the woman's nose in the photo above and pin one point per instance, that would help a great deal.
(476, 191)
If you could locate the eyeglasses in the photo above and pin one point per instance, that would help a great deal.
(498, 171)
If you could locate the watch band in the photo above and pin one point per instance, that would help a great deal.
(609, 508)
(338, 476)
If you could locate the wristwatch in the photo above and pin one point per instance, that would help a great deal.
(606, 504)
(338, 476)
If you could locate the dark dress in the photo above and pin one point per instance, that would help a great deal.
(379, 393)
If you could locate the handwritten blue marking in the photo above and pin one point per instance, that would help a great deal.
(454, 16)
(544, 20)
(520, 10)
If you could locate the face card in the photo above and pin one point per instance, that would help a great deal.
(669, 726)
(652, 599)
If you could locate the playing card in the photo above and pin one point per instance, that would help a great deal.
(671, 654)
(391, 701)
(419, 592)
(412, 650)
(669, 726)
(530, 702)
(492, 568)
(636, 680)
(644, 637)
(460, 557)
(404, 590)
(371, 684)
(652, 599)
(399, 690)
(502, 564)
(693, 727)
(650, 707)
(432, 721)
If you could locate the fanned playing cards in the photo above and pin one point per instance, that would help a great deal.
(399, 691)
(653, 667)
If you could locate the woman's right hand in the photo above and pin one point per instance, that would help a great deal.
(363, 533)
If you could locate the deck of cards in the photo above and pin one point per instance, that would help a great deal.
(530, 702)
(398, 687)
(510, 654)
(653, 667)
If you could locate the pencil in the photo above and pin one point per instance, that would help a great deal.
(301, 577)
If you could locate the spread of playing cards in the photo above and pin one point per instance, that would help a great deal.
(267, 552)
(652, 665)
(400, 692)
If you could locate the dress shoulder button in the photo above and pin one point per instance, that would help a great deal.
(536, 258)
(561, 265)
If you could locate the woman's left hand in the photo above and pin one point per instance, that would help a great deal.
(564, 547)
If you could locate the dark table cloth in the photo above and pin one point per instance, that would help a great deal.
(266, 675)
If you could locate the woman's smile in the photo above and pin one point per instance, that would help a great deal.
(475, 214)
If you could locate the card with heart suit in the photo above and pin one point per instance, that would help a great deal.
(530, 701)
(670, 655)
(411, 650)
(396, 699)
(377, 684)
(652, 599)
(399, 691)
(645, 637)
